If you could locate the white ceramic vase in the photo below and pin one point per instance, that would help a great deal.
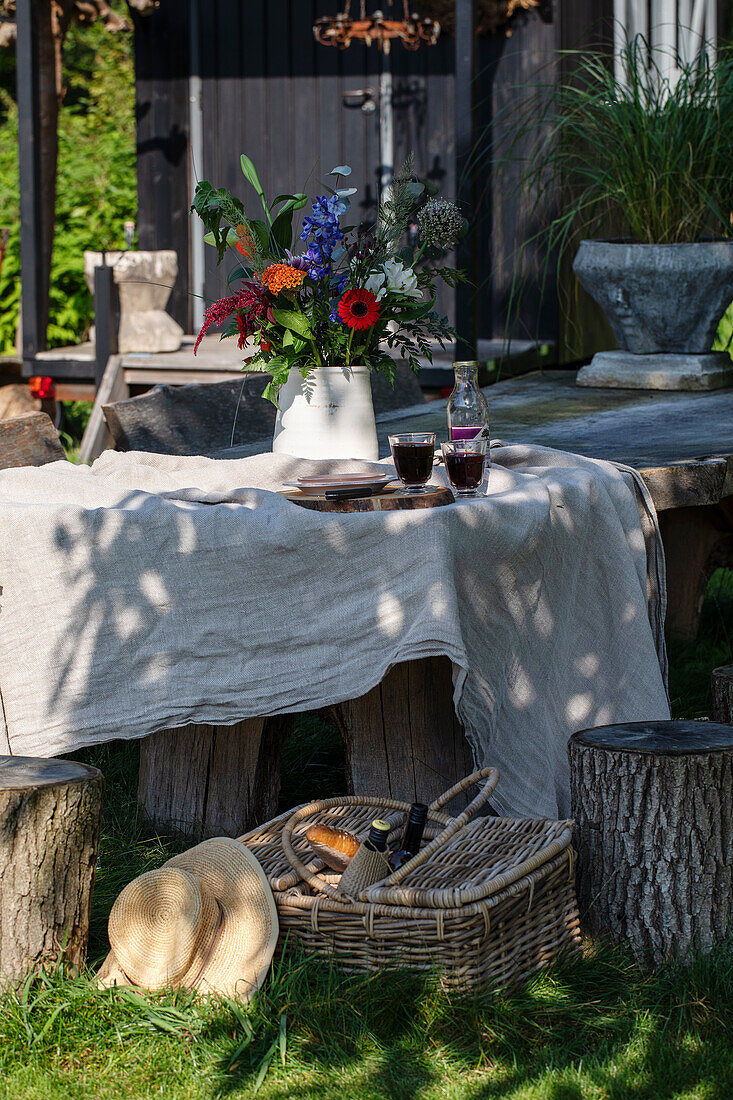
(329, 414)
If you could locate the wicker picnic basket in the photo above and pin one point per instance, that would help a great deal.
(486, 901)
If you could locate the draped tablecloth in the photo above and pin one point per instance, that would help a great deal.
(148, 592)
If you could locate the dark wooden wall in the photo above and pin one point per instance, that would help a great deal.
(270, 90)
(161, 104)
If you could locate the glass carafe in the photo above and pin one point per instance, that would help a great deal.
(468, 411)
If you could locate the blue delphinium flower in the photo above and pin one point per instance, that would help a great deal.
(323, 226)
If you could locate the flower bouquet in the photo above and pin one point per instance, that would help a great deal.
(340, 303)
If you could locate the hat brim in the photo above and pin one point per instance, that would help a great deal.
(243, 949)
(111, 973)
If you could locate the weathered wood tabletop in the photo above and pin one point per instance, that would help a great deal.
(653, 431)
(682, 443)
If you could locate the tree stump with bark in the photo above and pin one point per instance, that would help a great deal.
(722, 688)
(653, 804)
(50, 818)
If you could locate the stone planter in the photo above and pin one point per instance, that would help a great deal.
(328, 415)
(144, 282)
(664, 303)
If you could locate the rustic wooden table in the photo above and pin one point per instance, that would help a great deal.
(402, 738)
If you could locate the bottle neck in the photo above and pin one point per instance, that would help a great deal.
(378, 835)
(466, 374)
(415, 827)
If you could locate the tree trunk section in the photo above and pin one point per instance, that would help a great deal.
(201, 781)
(50, 819)
(722, 687)
(655, 847)
(403, 738)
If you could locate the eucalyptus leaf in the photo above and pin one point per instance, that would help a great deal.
(341, 170)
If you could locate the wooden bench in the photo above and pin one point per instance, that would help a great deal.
(206, 418)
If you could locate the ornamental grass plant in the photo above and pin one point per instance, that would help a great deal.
(634, 154)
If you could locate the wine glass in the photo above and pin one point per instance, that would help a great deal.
(464, 464)
(412, 454)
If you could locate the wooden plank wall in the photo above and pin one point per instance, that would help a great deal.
(161, 103)
(269, 89)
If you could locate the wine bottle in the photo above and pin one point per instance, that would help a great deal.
(378, 834)
(414, 830)
(467, 408)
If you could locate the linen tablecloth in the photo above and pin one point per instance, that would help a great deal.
(150, 591)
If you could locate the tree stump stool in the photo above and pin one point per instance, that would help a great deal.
(722, 688)
(653, 804)
(50, 818)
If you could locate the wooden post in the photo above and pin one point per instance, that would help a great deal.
(403, 739)
(722, 688)
(50, 819)
(33, 295)
(654, 813)
(466, 251)
(105, 319)
(202, 781)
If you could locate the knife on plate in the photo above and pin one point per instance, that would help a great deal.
(348, 494)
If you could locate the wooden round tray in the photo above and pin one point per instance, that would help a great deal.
(436, 497)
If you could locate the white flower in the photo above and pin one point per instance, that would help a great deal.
(401, 279)
(375, 284)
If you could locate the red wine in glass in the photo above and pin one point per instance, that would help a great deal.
(464, 464)
(412, 454)
(465, 470)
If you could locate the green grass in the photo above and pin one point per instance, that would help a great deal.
(592, 1028)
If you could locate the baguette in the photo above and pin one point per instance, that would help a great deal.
(334, 846)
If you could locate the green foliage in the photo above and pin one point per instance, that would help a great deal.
(647, 156)
(97, 187)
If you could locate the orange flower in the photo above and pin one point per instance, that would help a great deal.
(245, 244)
(279, 277)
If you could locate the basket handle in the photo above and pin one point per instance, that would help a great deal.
(310, 877)
(453, 824)
(491, 776)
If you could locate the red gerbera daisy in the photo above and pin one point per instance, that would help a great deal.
(359, 309)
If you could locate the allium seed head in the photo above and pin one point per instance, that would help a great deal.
(440, 223)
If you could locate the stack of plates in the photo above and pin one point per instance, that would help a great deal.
(317, 486)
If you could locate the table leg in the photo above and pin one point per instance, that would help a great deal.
(696, 542)
(403, 738)
(203, 781)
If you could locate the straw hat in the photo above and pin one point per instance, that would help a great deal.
(205, 920)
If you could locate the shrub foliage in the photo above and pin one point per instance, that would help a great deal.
(97, 187)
